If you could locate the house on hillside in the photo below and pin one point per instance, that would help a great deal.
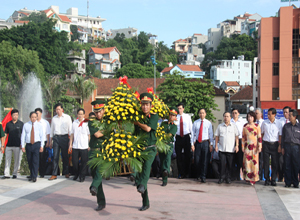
(230, 87)
(189, 71)
(78, 59)
(107, 60)
(243, 99)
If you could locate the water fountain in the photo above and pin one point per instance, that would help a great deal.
(31, 97)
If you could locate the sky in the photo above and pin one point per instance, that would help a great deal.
(170, 20)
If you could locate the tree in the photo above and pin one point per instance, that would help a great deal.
(15, 64)
(39, 17)
(53, 89)
(82, 86)
(52, 47)
(74, 30)
(231, 47)
(194, 93)
(135, 70)
(143, 40)
(119, 37)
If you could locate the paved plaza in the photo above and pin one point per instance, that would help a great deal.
(180, 199)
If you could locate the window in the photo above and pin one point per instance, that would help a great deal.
(275, 69)
(275, 94)
(82, 66)
(275, 43)
(246, 64)
(296, 42)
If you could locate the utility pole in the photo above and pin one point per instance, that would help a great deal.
(154, 73)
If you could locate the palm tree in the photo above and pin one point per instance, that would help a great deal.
(82, 86)
(53, 89)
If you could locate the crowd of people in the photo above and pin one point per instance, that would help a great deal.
(252, 150)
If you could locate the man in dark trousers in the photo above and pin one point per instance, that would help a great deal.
(183, 142)
(13, 130)
(290, 142)
(46, 128)
(33, 138)
(61, 127)
(141, 179)
(170, 129)
(202, 144)
(271, 132)
(96, 141)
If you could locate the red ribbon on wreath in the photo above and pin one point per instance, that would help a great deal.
(123, 80)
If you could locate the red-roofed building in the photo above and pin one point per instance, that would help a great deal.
(189, 71)
(243, 99)
(107, 60)
(182, 45)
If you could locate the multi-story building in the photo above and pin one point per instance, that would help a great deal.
(7, 25)
(107, 60)
(229, 27)
(90, 28)
(182, 45)
(231, 70)
(199, 39)
(128, 32)
(213, 39)
(279, 60)
(78, 59)
(249, 26)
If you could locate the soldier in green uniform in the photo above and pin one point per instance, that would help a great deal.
(170, 129)
(95, 144)
(142, 178)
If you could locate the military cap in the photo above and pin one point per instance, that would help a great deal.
(173, 111)
(98, 105)
(146, 97)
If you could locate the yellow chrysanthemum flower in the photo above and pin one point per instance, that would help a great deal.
(123, 156)
(116, 159)
(122, 135)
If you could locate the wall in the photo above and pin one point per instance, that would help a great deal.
(220, 101)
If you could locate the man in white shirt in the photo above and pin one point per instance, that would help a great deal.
(46, 129)
(61, 127)
(79, 145)
(183, 142)
(33, 137)
(259, 121)
(238, 158)
(227, 143)
(202, 143)
(271, 130)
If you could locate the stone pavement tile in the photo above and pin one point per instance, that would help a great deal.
(271, 204)
(291, 199)
(178, 200)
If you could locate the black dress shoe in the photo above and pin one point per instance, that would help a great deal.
(228, 181)
(14, 177)
(5, 177)
(132, 179)
(296, 186)
(144, 207)
(28, 177)
(34, 180)
(273, 183)
(75, 177)
(93, 191)
(100, 207)
(287, 186)
(81, 180)
(141, 189)
(165, 173)
(163, 184)
(203, 180)
(41, 176)
(220, 181)
(180, 177)
(267, 183)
